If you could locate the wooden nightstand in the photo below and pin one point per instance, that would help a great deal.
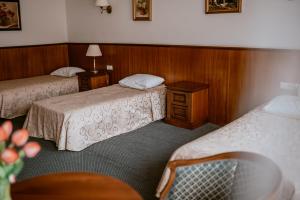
(90, 80)
(187, 104)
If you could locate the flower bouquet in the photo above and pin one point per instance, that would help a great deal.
(13, 149)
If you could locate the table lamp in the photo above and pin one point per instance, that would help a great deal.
(94, 51)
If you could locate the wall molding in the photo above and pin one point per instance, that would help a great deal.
(34, 45)
(154, 45)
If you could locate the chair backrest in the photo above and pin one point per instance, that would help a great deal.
(232, 176)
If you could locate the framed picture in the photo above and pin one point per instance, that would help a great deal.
(142, 10)
(10, 18)
(223, 6)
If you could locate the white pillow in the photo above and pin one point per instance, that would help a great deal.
(288, 106)
(67, 71)
(141, 81)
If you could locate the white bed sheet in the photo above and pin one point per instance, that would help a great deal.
(273, 136)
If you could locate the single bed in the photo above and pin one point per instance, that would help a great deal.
(77, 121)
(16, 96)
(274, 136)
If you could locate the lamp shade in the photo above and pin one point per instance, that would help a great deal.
(93, 51)
(102, 3)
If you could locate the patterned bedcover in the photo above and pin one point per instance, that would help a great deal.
(16, 96)
(273, 136)
(79, 120)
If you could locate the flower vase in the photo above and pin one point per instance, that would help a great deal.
(4, 190)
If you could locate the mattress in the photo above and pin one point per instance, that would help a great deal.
(273, 136)
(77, 121)
(16, 96)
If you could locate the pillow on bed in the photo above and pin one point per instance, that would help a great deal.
(141, 81)
(67, 71)
(288, 106)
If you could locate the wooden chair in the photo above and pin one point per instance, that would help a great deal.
(232, 176)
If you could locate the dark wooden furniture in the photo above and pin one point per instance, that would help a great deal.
(89, 80)
(73, 186)
(187, 104)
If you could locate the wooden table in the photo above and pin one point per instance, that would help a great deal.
(73, 186)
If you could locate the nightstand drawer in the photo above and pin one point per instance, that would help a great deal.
(84, 82)
(98, 82)
(179, 98)
(180, 113)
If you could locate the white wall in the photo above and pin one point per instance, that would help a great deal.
(43, 22)
(262, 23)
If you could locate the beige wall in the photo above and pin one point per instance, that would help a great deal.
(43, 22)
(263, 23)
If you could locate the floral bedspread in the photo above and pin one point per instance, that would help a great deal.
(16, 96)
(79, 120)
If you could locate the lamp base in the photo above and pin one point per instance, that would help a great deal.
(94, 71)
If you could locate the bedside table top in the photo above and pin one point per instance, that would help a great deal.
(187, 86)
(92, 74)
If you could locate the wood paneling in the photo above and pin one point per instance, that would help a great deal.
(27, 61)
(239, 78)
(255, 76)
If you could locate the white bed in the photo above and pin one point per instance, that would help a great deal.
(77, 121)
(274, 136)
(16, 96)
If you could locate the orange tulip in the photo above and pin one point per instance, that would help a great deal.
(5, 131)
(9, 156)
(7, 127)
(20, 137)
(3, 135)
(31, 149)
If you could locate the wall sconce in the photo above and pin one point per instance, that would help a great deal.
(104, 6)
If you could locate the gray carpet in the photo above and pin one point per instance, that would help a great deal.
(137, 158)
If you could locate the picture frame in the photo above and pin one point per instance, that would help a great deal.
(223, 6)
(142, 10)
(10, 17)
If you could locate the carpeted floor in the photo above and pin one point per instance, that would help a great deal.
(137, 158)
